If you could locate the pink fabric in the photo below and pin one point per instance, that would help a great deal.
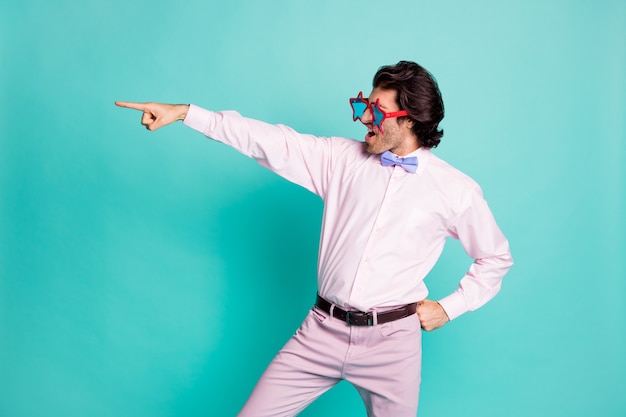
(383, 228)
(383, 362)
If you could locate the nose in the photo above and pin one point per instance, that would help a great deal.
(366, 118)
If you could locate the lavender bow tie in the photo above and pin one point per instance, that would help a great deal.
(409, 164)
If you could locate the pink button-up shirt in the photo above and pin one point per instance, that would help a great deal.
(383, 228)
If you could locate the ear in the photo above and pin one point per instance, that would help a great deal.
(409, 123)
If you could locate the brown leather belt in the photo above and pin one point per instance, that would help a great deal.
(362, 318)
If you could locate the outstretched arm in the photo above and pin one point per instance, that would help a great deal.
(157, 115)
(302, 159)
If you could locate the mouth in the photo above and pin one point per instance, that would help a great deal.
(370, 134)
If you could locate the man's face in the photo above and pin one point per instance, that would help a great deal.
(398, 136)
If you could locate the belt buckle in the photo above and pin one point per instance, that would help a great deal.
(356, 314)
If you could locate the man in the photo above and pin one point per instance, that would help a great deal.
(389, 204)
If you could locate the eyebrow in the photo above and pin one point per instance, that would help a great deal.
(381, 106)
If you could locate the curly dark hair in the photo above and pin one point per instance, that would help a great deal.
(418, 93)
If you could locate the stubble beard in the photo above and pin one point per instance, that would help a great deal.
(382, 143)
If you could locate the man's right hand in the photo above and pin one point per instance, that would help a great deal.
(157, 115)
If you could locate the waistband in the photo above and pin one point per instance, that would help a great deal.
(363, 318)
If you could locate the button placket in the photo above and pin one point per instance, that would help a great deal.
(361, 279)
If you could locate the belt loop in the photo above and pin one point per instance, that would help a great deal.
(332, 309)
(375, 317)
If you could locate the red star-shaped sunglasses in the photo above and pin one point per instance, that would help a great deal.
(360, 105)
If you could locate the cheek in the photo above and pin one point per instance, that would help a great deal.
(391, 125)
(391, 130)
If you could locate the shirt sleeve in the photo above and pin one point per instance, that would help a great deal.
(302, 159)
(476, 229)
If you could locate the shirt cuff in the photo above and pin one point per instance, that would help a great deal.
(454, 305)
(197, 118)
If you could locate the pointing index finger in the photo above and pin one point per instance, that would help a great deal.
(131, 105)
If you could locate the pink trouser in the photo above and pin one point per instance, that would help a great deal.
(383, 362)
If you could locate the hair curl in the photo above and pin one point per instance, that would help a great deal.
(418, 94)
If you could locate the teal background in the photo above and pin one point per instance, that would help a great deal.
(135, 267)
